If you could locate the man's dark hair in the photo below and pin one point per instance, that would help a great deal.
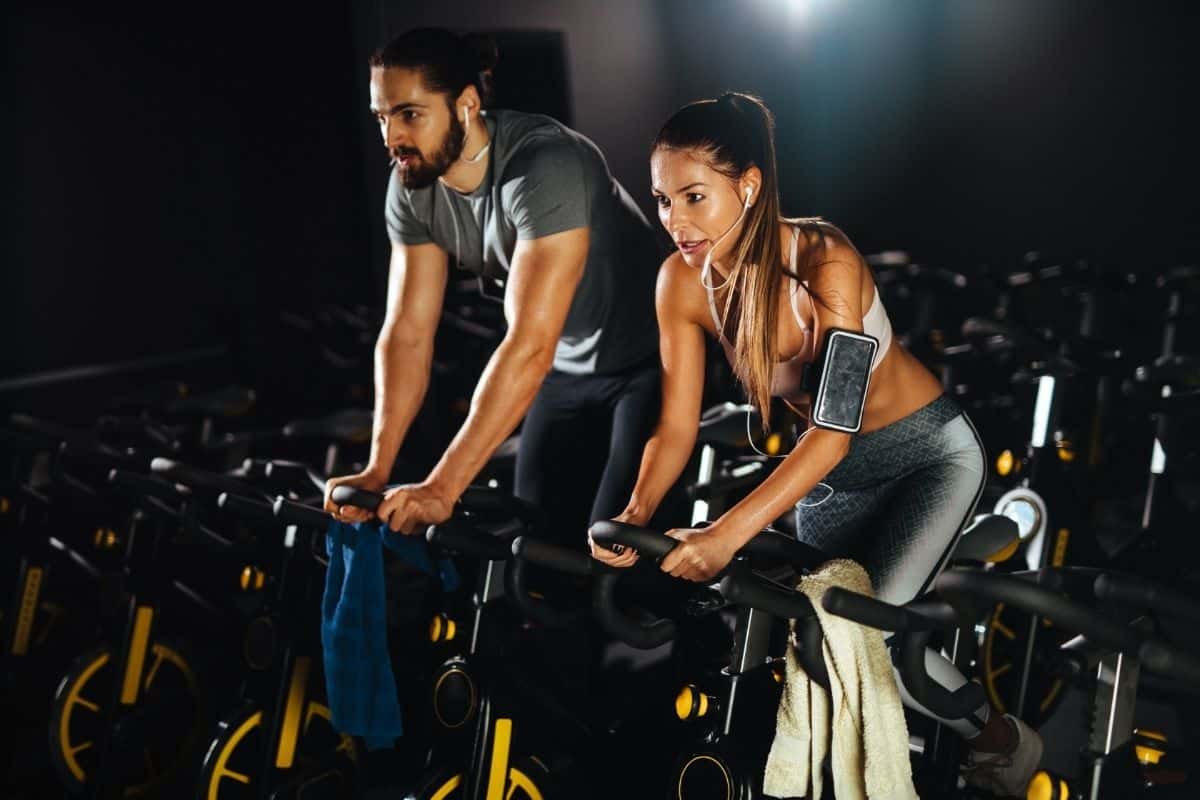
(448, 63)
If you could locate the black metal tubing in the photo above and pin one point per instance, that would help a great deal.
(642, 635)
(968, 586)
(745, 588)
(247, 508)
(460, 537)
(306, 516)
(202, 479)
(1143, 594)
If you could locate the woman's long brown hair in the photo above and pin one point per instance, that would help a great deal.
(732, 134)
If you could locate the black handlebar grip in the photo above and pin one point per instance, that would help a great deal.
(299, 514)
(642, 635)
(359, 498)
(256, 510)
(649, 544)
(1160, 657)
(873, 613)
(1142, 594)
(552, 556)
(469, 541)
(747, 589)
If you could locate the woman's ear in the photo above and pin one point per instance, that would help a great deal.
(749, 184)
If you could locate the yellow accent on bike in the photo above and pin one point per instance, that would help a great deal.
(501, 741)
(74, 698)
(519, 780)
(1060, 547)
(1147, 753)
(221, 770)
(105, 539)
(446, 788)
(442, 628)
(1005, 462)
(25, 614)
(143, 616)
(252, 578)
(690, 697)
(1004, 553)
(289, 734)
(1148, 756)
(470, 703)
(720, 766)
(773, 444)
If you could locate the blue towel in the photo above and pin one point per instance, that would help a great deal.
(358, 670)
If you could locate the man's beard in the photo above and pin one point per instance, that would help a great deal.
(425, 171)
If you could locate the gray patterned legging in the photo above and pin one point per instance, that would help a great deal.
(896, 504)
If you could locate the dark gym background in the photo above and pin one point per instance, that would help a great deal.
(174, 175)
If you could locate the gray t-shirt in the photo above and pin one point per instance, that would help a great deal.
(545, 178)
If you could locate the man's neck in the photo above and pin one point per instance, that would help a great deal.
(465, 176)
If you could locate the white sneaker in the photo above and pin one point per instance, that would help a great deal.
(1006, 774)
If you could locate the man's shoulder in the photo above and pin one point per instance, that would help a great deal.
(533, 141)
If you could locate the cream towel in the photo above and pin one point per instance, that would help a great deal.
(861, 713)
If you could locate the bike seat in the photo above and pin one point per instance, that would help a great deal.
(990, 538)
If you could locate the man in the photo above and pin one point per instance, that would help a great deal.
(527, 203)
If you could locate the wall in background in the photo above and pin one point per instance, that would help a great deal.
(172, 184)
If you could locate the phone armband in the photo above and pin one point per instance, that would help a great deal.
(842, 375)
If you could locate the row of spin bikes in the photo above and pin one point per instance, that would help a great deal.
(165, 611)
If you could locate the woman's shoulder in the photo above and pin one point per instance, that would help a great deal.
(821, 242)
(679, 290)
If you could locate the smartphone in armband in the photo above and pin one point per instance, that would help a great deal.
(842, 377)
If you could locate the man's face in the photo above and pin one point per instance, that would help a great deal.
(419, 131)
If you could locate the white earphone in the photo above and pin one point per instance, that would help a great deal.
(706, 267)
(466, 135)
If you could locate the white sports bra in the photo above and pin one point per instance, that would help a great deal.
(786, 379)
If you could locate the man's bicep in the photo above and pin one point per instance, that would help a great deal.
(416, 286)
(542, 281)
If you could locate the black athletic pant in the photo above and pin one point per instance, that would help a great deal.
(581, 446)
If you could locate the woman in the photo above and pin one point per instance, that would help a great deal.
(894, 496)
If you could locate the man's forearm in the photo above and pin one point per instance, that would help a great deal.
(401, 379)
(505, 391)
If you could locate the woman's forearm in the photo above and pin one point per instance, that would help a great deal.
(812, 459)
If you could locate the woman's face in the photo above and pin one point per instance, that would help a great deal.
(696, 204)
